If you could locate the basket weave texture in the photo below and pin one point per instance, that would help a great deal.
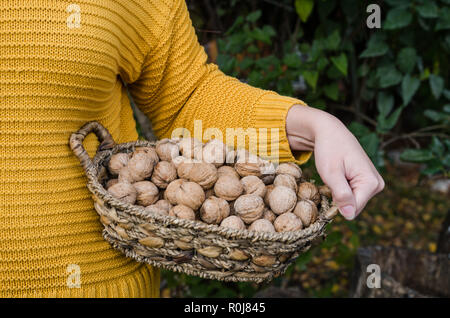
(191, 247)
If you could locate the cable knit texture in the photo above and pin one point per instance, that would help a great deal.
(53, 79)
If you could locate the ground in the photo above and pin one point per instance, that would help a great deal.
(405, 214)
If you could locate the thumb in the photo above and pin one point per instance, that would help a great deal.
(342, 194)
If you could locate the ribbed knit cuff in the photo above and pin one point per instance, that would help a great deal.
(270, 112)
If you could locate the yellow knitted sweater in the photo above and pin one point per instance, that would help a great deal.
(63, 63)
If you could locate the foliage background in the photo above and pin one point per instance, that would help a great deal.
(389, 85)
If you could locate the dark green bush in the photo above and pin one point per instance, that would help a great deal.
(393, 80)
(390, 85)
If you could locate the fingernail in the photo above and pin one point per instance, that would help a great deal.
(348, 212)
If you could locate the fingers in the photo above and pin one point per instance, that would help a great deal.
(342, 193)
(366, 189)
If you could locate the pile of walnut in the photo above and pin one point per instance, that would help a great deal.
(216, 185)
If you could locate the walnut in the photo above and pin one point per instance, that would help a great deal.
(269, 189)
(249, 207)
(124, 191)
(308, 191)
(190, 147)
(269, 215)
(182, 212)
(164, 173)
(282, 199)
(117, 162)
(205, 174)
(167, 149)
(149, 151)
(286, 180)
(291, 169)
(228, 187)
(178, 160)
(139, 167)
(261, 225)
(125, 176)
(233, 222)
(147, 193)
(190, 194)
(214, 151)
(253, 185)
(307, 211)
(111, 182)
(172, 189)
(227, 170)
(287, 222)
(214, 210)
(326, 191)
(247, 164)
(164, 205)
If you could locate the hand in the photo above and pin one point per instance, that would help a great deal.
(340, 160)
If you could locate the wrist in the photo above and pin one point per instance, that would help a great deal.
(303, 124)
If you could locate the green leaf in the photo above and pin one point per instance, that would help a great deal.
(443, 22)
(436, 146)
(304, 8)
(322, 63)
(237, 23)
(245, 63)
(428, 10)
(387, 123)
(447, 93)
(375, 47)
(292, 60)
(406, 59)
(254, 16)
(423, 24)
(398, 3)
(333, 40)
(332, 91)
(367, 94)
(416, 155)
(433, 167)
(269, 30)
(358, 129)
(333, 73)
(388, 75)
(261, 35)
(370, 144)
(397, 18)
(341, 63)
(446, 108)
(311, 78)
(436, 116)
(409, 88)
(253, 49)
(446, 160)
(385, 102)
(363, 70)
(436, 85)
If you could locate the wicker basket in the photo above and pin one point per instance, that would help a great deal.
(190, 247)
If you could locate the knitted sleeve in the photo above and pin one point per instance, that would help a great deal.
(177, 88)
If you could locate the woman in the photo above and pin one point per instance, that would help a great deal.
(65, 63)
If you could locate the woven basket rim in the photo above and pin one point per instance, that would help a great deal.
(137, 211)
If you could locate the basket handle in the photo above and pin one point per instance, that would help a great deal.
(331, 213)
(77, 138)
